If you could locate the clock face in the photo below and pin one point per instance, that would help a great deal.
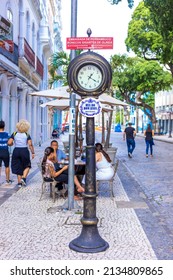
(89, 77)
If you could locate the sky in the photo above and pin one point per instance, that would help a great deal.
(104, 19)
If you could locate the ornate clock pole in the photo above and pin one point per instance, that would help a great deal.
(89, 75)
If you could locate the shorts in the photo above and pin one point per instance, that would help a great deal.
(4, 157)
(20, 160)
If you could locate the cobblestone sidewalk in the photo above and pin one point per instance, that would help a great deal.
(28, 231)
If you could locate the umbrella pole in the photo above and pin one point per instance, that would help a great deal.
(103, 128)
(80, 133)
(76, 128)
(109, 130)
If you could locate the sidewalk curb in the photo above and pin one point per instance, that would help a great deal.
(156, 139)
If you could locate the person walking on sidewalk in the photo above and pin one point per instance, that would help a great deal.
(4, 152)
(21, 162)
(149, 133)
(129, 134)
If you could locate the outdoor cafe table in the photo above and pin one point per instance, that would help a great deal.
(79, 166)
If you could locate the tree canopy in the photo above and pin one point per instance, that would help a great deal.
(150, 32)
(58, 67)
(136, 80)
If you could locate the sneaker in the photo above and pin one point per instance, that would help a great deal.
(130, 155)
(23, 182)
(9, 181)
(146, 155)
(19, 185)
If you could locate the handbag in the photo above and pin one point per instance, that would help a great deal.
(152, 142)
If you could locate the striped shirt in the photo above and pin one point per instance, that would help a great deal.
(3, 140)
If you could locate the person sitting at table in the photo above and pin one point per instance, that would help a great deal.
(59, 154)
(61, 175)
(104, 170)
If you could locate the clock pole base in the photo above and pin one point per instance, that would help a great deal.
(89, 241)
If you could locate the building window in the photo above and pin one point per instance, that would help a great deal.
(33, 36)
(9, 15)
(27, 26)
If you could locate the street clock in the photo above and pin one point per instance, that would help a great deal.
(89, 74)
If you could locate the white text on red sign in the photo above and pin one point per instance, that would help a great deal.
(74, 43)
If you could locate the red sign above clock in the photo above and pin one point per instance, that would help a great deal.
(85, 43)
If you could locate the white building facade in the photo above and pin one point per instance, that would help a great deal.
(164, 111)
(27, 39)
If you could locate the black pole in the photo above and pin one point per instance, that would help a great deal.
(89, 240)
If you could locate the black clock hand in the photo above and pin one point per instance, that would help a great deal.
(94, 80)
(89, 77)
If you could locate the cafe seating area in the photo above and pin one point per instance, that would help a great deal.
(48, 186)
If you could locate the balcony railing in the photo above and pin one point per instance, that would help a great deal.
(29, 53)
(12, 56)
(39, 68)
(31, 58)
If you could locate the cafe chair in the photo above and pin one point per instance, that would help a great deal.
(51, 183)
(110, 182)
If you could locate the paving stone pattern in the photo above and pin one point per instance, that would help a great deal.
(28, 232)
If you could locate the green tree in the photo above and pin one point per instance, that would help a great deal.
(115, 2)
(59, 62)
(150, 32)
(137, 79)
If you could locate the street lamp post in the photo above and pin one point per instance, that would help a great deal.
(72, 113)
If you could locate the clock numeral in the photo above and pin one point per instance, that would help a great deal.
(89, 67)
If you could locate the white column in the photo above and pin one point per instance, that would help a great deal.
(50, 122)
(21, 28)
(45, 124)
(34, 120)
(5, 110)
(13, 113)
(13, 104)
(29, 108)
(22, 105)
(5, 99)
